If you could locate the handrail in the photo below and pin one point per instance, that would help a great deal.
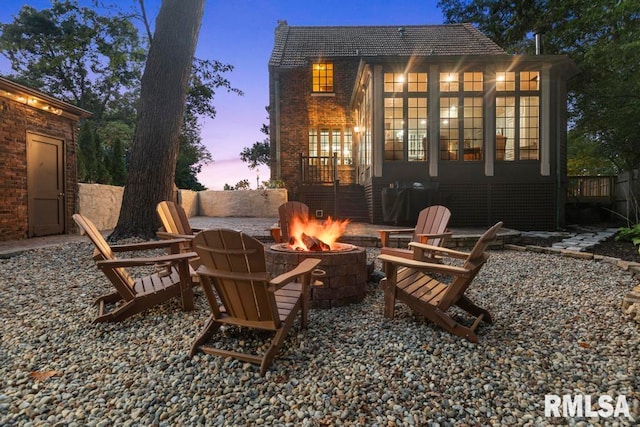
(319, 169)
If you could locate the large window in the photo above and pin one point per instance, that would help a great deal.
(322, 77)
(517, 115)
(405, 116)
(325, 142)
(461, 116)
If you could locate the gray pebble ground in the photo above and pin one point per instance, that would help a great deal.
(558, 330)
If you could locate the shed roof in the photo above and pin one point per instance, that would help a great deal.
(24, 94)
(295, 45)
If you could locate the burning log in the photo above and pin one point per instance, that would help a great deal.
(314, 244)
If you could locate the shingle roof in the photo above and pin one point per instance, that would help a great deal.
(293, 45)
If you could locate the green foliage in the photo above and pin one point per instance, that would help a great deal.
(103, 162)
(95, 61)
(240, 185)
(258, 154)
(74, 53)
(87, 153)
(118, 163)
(273, 183)
(585, 157)
(631, 234)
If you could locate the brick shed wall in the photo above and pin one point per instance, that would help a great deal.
(16, 120)
(300, 110)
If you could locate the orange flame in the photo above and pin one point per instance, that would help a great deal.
(328, 231)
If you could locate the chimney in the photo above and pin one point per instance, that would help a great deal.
(401, 30)
(538, 37)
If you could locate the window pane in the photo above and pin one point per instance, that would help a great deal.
(449, 82)
(336, 142)
(529, 127)
(417, 82)
(417, 129)
(473, 82)
(505, 81)
(472, 128)
(393, 129)
(529, 80)
(322, 77)
(324, 145)
(505, 128)
(449, 129)
(347, 147)
(393, 82)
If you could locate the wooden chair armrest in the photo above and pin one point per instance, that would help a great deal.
(425, 266)
(151, 244)
(426, 236)
(305, 267)
(167, 235)
(384, 234)
(133, 262)
(223, 274)
(439, 249)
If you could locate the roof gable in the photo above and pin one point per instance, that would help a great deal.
(294, 45)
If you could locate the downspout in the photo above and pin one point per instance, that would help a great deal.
(276, 101)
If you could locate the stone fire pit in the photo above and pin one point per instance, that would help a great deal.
(346, 276)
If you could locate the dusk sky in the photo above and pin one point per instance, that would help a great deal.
(241, 33)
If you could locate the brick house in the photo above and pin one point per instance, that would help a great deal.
(393, 119)
(38, 156)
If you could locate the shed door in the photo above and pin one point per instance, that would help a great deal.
(45, 185)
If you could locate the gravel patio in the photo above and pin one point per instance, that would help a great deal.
(558, 330)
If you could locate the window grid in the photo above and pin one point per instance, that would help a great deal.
(449, 82)
(529, 127)
(518, 116)
(417, 129)
(322, 77)
(347, 148)
(394, 129)
(530, 80)
(417, 82)
(393, 82)
(473, 81)
(505, 128)
(505, 81)
(472, 130)
(449, 129)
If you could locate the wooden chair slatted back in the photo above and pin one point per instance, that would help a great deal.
(476, 259)
(234, 252)
(173, 217)
(120, 278)
(434, 220)
(287, 211)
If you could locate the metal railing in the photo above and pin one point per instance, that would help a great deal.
(319, 170)
(596, 189)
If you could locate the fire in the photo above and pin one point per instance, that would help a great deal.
(307, 235)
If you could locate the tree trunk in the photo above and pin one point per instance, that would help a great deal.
(160, 111)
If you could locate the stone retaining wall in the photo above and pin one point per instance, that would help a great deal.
(241, 203)
(101, 203)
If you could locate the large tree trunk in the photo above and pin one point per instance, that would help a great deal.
(162, 99)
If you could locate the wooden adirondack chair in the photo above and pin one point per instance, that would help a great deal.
(408, 281)
(135, 295)
(287, 211)
(175, 223)
(431, 229)
(235, 264)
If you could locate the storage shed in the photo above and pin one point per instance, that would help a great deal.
(38, 177)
